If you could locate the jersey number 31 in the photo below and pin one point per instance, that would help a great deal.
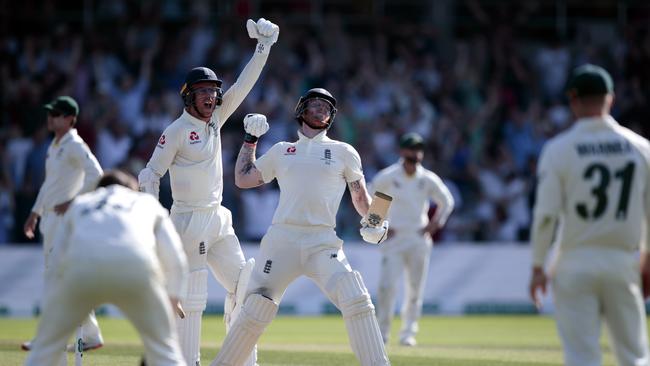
(599, 191)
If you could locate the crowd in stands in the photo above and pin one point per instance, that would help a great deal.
(486, 99)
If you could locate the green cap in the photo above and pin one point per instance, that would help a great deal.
(65, 105)
(587, 80)
(411, 140)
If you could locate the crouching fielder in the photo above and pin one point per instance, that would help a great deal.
(115, 246)
(312, 173)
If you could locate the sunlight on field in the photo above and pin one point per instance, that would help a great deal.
(444, 341)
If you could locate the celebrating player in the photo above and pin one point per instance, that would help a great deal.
(115, 245)
(593, 179)
(70, 169)
(190, 148)
(409, 243)
(312, 173)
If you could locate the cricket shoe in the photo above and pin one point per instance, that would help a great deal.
(408, 341)
(86, 346)
(27, 346)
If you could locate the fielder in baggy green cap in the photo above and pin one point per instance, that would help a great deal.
(590, 80)
(64, 104)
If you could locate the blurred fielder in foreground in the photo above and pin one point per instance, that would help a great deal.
(312, 174)
(70, 169)
(593, 181)
(115, 245)
(409, 243)
(190, 148)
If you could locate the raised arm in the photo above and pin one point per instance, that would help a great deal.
(246, 174)
(266, 34)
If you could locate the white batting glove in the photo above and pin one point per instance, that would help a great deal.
(255, 124)
(265, 32)
(373, 234)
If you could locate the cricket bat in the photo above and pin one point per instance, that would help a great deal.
(378, 209)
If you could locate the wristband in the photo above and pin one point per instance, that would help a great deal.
(250, 139)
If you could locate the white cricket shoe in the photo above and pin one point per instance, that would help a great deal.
(87, 346)
(408, 341)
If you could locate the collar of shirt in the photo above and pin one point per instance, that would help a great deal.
(590, 123)
(322, 136)
(68, 135)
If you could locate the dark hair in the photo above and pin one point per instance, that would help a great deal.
(118, 177)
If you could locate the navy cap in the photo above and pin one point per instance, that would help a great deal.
(411, 140)
(64, 104)
(589, 80)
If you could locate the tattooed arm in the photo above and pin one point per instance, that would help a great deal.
(246, 174)
(360, 197)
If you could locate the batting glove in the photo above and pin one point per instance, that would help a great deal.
(255, 126)
(373, 234)
(265, 32)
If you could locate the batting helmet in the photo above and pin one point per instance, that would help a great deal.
(316, 93)
(197, 75)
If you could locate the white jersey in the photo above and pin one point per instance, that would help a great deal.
(412, 196)
(191, 148)
(70, 169)
(117, 222)
(312, 174)
(594, 178)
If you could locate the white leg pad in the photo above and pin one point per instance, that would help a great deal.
(256, 314)
(189, 329)
(359, 315)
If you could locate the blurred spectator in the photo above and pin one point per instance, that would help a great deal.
(485, 92)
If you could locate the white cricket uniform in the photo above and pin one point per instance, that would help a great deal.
(115, 246)
(594, 178)
(312, 174)
(408, 250)
(191, 150)
(70, 169)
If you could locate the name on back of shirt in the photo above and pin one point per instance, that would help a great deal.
(603, 148)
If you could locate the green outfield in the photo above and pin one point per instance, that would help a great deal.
(443, 341)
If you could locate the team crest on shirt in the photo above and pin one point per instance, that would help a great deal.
(194, 138)
(291, 150)
(327, 157)
(59, 153)
(161, 141)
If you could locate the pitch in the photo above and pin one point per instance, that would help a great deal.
(316, 341)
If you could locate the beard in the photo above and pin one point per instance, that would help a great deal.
(411, 159)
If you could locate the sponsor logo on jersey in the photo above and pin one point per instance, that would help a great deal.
(291, 150)
(161, 141)
(202, 248)
(194, 138)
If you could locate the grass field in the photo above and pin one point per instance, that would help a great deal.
(294, 341)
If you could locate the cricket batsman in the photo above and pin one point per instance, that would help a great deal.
(190, 148)
(312, 173)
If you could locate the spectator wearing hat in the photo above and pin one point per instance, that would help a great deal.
(408, 247)
(70, 169)
(593, 186)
